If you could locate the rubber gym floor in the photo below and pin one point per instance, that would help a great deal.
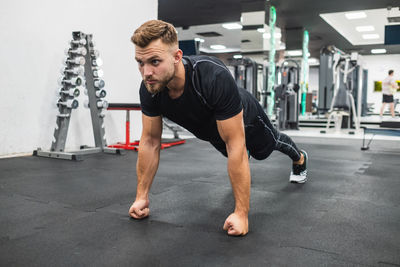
(63, 213)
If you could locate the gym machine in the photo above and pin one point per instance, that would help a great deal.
(82, 69)
(248, 74)
(326, 81)
(287, 95)
(345, 71)
(358, 81)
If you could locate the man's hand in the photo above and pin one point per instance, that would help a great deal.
(139, 209)
(237, 224)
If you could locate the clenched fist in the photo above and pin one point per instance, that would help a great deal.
(237, 224)
(139, 209)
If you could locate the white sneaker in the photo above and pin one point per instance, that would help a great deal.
(299, 172)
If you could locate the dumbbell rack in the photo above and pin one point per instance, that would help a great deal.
(80, 53)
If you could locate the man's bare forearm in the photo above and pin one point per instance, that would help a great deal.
(146, 167)
(239, 174)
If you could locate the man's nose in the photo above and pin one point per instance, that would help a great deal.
(147, 70)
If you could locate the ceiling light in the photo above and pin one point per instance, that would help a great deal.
(312, 60)
(232, 26)
(365, 28)
(355, 15)
(370, 36)
(294, 53)
(199, 40)
(217, 47)
(267, 35)
(237, 56)
(378, 51)
(262, 30)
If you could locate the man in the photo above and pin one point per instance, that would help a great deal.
(389, 87)
(200, 94)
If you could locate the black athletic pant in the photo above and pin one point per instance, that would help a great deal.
(262, 138)
(279, 141)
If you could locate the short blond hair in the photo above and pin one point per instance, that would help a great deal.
(153, 30)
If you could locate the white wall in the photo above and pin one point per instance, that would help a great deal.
(378, 67)
(34, 36)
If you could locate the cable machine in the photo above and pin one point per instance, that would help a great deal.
(248, 74)
(287, 95)
(344, 82)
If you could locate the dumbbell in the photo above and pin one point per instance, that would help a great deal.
(71, 92)
(99, 104)
(78, 42)
(70, 103)
(102, 104)
(73, 81)
(101, 93)
(98, 73)
(76, 60)
(78, 51)
(95, 53)
(76, 70)
(98, 62)
(99, 83)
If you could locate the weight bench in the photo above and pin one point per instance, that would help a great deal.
(388, 128)
(165, 143)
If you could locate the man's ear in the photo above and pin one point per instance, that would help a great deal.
(178, 56)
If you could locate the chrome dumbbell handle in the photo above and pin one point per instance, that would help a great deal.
(75, 60)
(78, 51)
(99, 104)
(71, 92)
(76, 70)
(78, 42)
(70, 103)
(73, 81)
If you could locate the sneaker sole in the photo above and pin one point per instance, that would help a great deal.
(299, 182)
(305, 179)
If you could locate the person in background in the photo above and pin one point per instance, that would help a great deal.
(389, 88)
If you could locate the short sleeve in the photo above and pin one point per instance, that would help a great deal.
(225, 98)
(148, 102)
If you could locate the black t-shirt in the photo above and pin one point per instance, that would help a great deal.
(210, 94)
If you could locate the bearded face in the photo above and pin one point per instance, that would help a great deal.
(156, 83)
(156, 65)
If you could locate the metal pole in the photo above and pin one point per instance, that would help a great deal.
(304, 70)
(271, 66)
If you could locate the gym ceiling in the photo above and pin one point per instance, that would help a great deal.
(292, 17)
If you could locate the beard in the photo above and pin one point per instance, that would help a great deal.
(159, 85)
